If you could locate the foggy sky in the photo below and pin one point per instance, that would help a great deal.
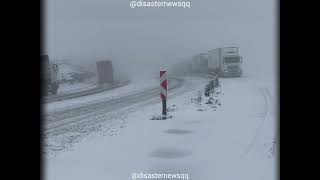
(147, 39)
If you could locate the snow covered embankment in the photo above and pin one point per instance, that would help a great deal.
(74, 79)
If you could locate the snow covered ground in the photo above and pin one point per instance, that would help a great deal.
(74, 78)
(231, 138)
(68, 72)
(66, 125)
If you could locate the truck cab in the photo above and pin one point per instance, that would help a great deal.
(49, 76)
(231, 62)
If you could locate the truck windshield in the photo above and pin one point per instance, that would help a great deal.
(231, 59)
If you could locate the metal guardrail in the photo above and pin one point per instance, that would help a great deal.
(212, 84)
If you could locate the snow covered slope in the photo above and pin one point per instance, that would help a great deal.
(73, 73)
(133, 87)
(74, 78)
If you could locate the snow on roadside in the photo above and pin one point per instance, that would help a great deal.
(226, 142)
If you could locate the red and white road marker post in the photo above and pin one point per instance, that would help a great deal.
(163, 92)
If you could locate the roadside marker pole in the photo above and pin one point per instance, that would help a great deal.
(164, 107)
(163, 91)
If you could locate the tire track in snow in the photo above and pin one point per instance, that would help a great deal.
(267, 98)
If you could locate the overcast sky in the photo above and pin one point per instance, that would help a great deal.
(147, 39)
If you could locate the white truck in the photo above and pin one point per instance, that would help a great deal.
(226, 62)
(199, 63)
(49, 76)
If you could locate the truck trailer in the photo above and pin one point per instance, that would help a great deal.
(181, 68)
(105, 72)
(199, 63)
(49, 76)
(226, 62)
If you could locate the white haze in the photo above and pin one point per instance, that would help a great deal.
(143, 40)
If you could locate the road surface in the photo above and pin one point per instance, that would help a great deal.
(80, 92)
(62, 118)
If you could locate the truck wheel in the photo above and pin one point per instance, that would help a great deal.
(45, 90)
(55, 87)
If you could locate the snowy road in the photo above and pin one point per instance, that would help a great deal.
(232, 138)
(68, 116)
(79, 92)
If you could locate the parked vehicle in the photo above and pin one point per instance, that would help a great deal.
(181, 68)
(199, 63)
(105, 72)
(49, 76)
(226, 62)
